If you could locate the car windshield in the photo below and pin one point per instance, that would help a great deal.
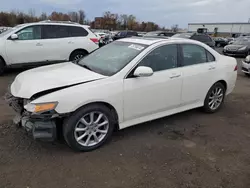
(242, 42)
(183, 35)
(111, 58)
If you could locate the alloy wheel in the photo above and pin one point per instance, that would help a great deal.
(215, 98)
(78, 57)
(91, 129)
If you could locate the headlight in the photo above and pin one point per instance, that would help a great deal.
(41, 107)
(243, 48)
(247, 59)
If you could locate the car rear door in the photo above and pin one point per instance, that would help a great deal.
(144, 96)
(56, 40)
(199, 73)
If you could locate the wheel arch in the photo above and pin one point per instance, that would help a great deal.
(1, 58)
(78, 49)
(223, 82)
(108, 105)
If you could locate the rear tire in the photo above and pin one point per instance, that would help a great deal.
(2, 67)
(215, 98)
(77, 55)
(218, 45)
(83, 134)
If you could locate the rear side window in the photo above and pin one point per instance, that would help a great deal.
(77, 31)
(55, 31)
(193, 54)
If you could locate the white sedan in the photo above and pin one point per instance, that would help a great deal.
(125, 83)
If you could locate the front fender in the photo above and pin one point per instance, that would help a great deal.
(71, 99)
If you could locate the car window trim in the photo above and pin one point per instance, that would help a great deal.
(127, 76)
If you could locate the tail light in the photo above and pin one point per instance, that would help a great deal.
(95, 40)
(235, 68)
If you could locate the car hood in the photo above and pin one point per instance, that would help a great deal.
(234, 46)
(51, 77)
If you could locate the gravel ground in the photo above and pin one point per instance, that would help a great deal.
(191, 149)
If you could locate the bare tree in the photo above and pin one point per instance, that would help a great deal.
(81, 16)
(74, 17)
(175, 28)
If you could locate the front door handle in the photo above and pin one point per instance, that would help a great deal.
(175, 76)
(39, 44)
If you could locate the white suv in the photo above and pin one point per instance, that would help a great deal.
(45, 42)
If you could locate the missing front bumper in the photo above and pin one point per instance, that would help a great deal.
(44, 130)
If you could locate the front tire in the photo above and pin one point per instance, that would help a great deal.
(215, 98)
(89, 128)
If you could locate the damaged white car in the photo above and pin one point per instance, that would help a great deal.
(127, 82)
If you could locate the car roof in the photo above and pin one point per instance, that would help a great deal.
(54, 23)
(150, 41)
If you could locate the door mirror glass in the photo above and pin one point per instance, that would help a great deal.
(14, 36)
(143, 71)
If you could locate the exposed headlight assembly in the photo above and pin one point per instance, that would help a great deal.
(40, 107)
(247, 60)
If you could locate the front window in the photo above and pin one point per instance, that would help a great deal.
(29, 33)
(111, 58)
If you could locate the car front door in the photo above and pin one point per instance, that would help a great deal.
(199, 73)
(27, 48)
(144, 96)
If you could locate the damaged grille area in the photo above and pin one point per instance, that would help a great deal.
(14, 102)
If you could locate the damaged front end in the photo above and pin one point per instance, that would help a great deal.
(41, 126)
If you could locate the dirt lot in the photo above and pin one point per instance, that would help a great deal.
(191, 149)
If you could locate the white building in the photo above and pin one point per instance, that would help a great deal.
(222, 28)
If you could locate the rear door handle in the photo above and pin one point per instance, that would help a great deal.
(39, 44)
(175, 76)
(70, 42)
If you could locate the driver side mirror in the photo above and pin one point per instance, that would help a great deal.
(14, 36)
(143, 71)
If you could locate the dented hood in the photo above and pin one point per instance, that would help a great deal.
(33, 81)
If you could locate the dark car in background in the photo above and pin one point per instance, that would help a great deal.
(240, 47)
(125, 34)
(197, 36)
(159, 33)
(220, 41)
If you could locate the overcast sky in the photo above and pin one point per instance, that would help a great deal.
(163, 12)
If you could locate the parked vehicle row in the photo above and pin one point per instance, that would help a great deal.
(240, 47)
(126, 82)
(45, 42)
(202, 37)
